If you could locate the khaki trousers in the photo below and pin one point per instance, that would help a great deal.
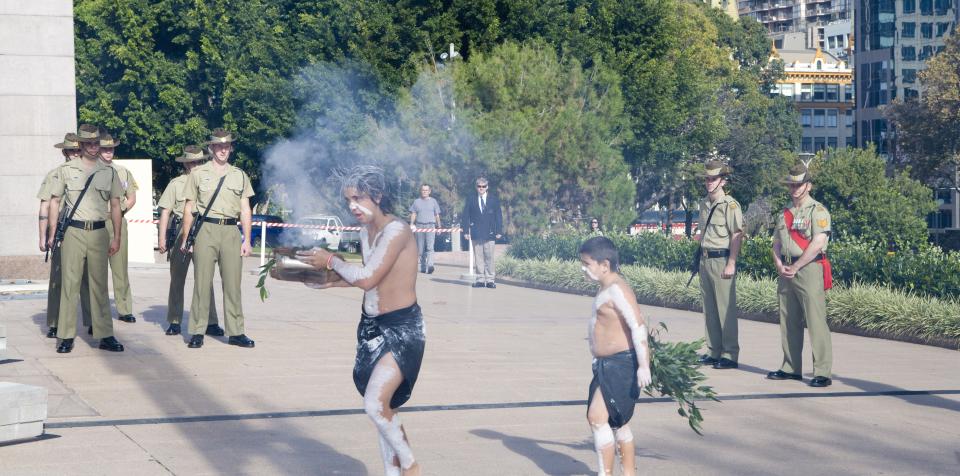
(178, 278)
(719, 309)
(122, 297)
(79, 248)
(217, 245)
(53, 292)
(803, 299)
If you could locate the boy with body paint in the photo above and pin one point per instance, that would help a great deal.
(390, 336)
(621, 356)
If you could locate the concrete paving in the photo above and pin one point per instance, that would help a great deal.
(501, 392)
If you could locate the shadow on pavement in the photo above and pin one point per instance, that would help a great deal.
(549, 461)
(922, 400)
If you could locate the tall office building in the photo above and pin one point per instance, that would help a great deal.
(894, 39)
(810, 17)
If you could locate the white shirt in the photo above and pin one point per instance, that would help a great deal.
(481, 201)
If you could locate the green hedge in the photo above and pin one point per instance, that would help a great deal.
(874, 309)
(927, 271)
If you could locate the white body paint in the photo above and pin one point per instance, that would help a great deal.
(354, 206)
(602, 438)
(373, 254)
(589, 274)
(388, 455)
(638, 332)
(624, 435)
(390, 430)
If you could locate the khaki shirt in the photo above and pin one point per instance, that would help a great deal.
(810, 218)
(44, 193)
(69, 179)
(203, 181)
(173, 197)
(726, 220)
(127, 183)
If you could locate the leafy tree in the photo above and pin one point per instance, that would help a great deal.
(865, 203)
(928, 129)
(547, 131)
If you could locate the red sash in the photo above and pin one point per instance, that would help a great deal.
(803, 243)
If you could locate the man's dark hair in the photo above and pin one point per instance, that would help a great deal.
(600, 248)
(369, 180)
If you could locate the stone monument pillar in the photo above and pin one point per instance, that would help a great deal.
(38, 105)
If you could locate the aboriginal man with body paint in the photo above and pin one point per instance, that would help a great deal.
(621, 356)
(390, 336)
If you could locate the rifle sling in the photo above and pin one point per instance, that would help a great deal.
(76, 204)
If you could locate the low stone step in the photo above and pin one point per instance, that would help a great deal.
(23, 409)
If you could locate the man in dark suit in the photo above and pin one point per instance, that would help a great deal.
(483, 222)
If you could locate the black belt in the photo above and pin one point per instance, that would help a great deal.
(87, 225)
(787, 259)
(716, 253)
(221, 221)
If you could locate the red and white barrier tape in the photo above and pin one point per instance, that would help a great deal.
(315, 227)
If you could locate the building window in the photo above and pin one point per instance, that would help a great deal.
(909, 93)
(926, 7)
(880, 135)
(819, 116)
(832, 142)
(848, 93)
(832, 117)
(851, 141)
(909, 6)
(926, 53)
(908, 53)
(909, 75)
(848, 118)
(819, 143)
(787, 90)
(940, 49)
(806, 92)
(864, 133)
(926, 30)
(819, 92)
(908, 30)
(943, 6)
(943, 28)
(806, 117)
(806, 144)
(944, 195)
(833, 92)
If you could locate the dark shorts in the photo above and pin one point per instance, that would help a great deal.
(399, 332)
(616, 375)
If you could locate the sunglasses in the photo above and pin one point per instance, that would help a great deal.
(481, 186)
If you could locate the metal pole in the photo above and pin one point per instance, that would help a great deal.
(470, 248)
(263, 242)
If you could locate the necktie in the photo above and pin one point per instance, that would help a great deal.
(483, 204)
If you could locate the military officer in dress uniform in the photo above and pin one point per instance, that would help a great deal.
(218, 241)
(799, 252)
(721, 234)
(122, 297)
(171, 203)
(86, 241)
(70, 147)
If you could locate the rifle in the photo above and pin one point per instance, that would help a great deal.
(173, 231)
(60, 230)
(695, 264)
(198, 222)
(63, 220)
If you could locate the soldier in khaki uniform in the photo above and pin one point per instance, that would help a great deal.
(86, 240)
(720, 241)
(799, 247)
(122, 296)
(171, 202)
(219, 240)
(70, 147)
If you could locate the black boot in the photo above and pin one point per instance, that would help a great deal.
(173, 330)
(52, 333)
(196, 341)
(65, 346)
(127, 318)
(241, 340)
(111, 344)
(214, 330)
